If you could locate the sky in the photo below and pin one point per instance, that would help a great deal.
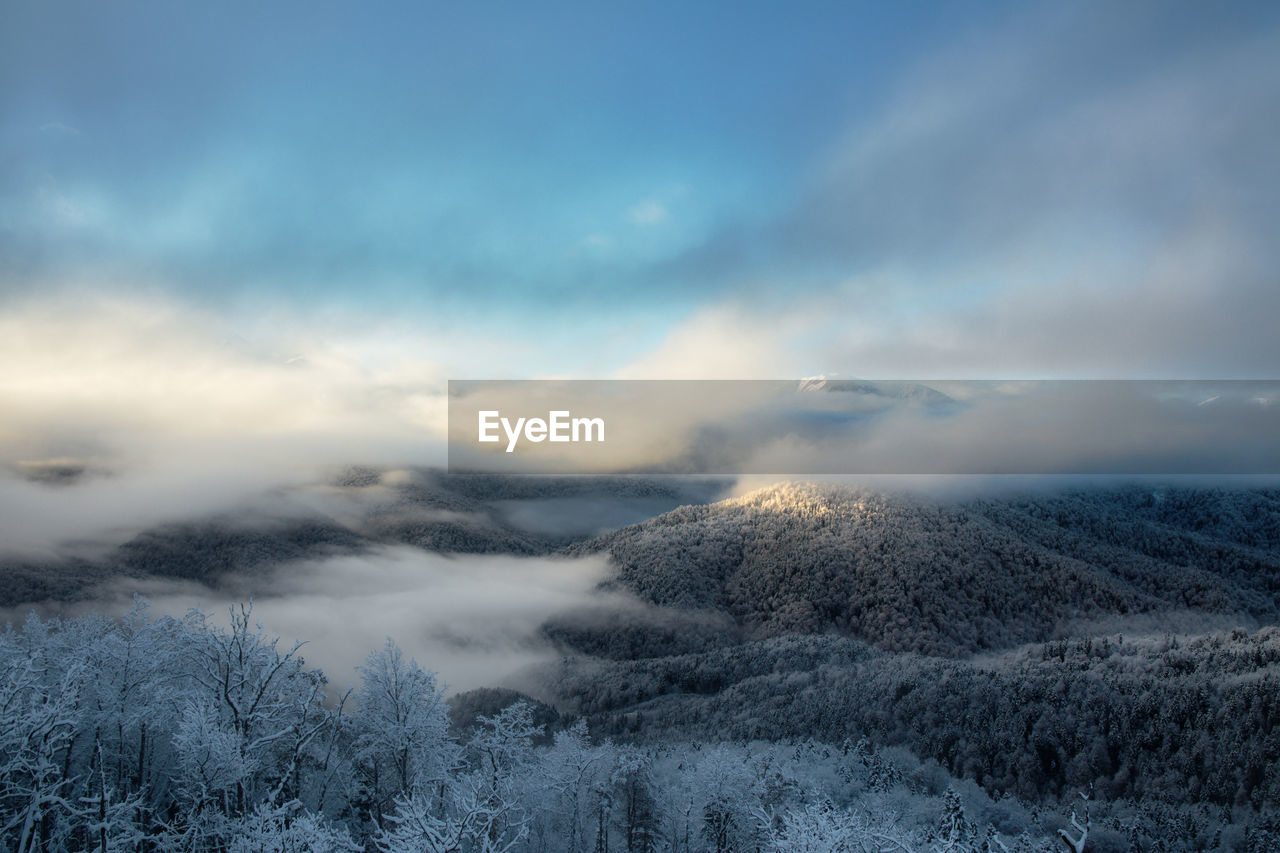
(243, 244)
(286, 225)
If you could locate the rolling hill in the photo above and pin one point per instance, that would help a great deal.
(947, 577)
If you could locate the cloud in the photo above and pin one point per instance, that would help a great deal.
(472, 619)
(940, 428)
(122, 412)
(1053, 429)
(59, 129)
(166, 413)
(1198, 306)
(597, 241)
(42, 520)
(727, 341)
(1062, 126)
(132, 373)
(1075, 193)
(648, 213)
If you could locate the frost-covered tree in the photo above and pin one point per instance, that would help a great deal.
(37, 728)
(401, 730)
(502, 760)
(576, 776)
(247, 731)
(728, 794)
(1076, 844)
(287, 829)
(637, 808)
(485, 808)
(822, 827)
(955, 832)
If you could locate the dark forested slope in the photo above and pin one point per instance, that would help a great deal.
(968, 630)
(947, 577)
(1179, 721)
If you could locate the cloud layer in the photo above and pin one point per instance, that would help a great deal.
(250, 248)
(472, 619)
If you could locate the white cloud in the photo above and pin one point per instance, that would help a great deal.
(138, 372)
(726, 341)
(596, 242)
(648, 213)
(1013, 211)
(175, 415)
(59, 128)
(472, 619)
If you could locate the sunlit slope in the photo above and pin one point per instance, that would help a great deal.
(952, 577)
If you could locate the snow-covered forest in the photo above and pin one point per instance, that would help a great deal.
(800, 668)
(167, 734)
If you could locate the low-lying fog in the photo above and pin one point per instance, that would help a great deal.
(472, 619)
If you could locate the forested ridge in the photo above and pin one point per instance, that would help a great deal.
(1153, 719)
(987, 633)
(954, 577)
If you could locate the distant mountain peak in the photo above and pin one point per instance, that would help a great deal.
(888, 390)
